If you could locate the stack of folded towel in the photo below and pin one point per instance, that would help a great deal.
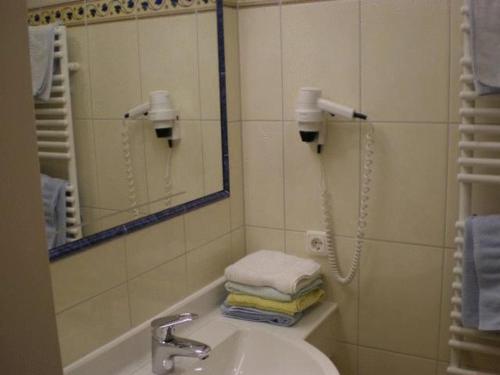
(272, 287)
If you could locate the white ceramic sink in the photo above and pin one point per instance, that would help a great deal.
(238, 350)
(238, 347)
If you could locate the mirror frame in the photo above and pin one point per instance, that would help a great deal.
(181, 209)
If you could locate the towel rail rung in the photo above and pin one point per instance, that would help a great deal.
(478, 178)
(479, 162)
(453, 370)
(475, 333)
(54, 155)
(52, 122)
(483, 112)
(478, 145)
(475, 347)
(52, 133)
(53, 144)
(479, 128)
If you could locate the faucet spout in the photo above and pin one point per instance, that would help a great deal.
(165, 346)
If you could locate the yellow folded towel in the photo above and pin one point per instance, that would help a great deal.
(290, 308)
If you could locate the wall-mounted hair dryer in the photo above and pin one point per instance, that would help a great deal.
(310, 111)
(160, 112)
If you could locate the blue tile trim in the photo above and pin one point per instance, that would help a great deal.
(169, 213)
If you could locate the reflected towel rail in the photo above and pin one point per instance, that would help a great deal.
(54, 131)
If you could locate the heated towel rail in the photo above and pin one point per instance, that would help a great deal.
(54, 131)
(477, 126)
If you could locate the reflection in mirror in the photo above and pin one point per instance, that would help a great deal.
(127, 110)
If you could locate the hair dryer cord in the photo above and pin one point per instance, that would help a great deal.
(333, 258)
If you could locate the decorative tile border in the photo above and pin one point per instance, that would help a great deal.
(79, 12)
(169, 213)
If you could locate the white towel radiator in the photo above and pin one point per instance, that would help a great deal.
(466, 343)
(54, 130)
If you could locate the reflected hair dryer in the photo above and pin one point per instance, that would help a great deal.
(159, 110)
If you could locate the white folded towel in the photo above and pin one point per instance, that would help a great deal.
(41, 46)
(286, 273)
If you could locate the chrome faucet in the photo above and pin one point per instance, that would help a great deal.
(165, 346)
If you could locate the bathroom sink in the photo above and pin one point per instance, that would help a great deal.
(260, 353)
(239, 351)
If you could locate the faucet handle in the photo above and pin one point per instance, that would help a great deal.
(163, 328)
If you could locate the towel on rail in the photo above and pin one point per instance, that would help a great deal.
(485, 45)
(41, 47)
(54, 208)
(481, 273)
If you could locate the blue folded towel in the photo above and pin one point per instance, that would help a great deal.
(481, 273)
(484, 39)
(54, 208)
(256, 315)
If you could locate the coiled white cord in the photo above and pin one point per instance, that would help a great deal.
(168, 178)
(362, 217)
(129, 169)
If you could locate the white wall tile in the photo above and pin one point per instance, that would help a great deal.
(400, 296)
(258, 238)
(377, 362)
(154, 291)
(212, 156)
(405, 52)
(206, 224)
(321, 48)
(207, 263)
(93, 323)
(263, 173)
(169, 61)
(208, 65)
(86, 274)
(78, 51)
(152, 246)
(407, 197)
(114, 68)
(260, 59)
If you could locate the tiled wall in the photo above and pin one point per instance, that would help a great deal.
(397, 61)
(102, 292)
(120, 63)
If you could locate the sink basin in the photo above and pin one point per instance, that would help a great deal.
(240, 351)
(261, 353)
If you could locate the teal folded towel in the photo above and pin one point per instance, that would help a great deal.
(481, 273)
(267, 292)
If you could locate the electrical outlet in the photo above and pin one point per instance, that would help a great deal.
(316, 243)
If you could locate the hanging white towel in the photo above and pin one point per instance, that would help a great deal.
(41, 47)
(286, 273)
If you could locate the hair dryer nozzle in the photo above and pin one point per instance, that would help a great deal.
(308, 136)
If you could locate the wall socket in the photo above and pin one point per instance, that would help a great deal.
(316, 243)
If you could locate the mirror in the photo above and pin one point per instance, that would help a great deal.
(130, 126)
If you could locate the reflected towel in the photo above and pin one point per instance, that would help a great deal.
(484, 39)
(41, 48)
(255, 315)
(267, 292)
(291, 308)
(286, 273)
(54, 209)
(481, 280)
